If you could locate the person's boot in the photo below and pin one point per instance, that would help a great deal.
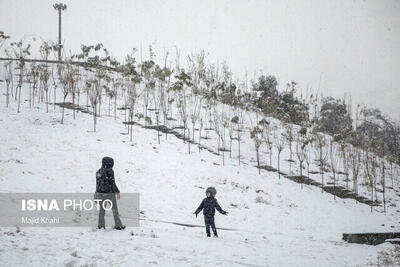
(215, 235)
(122, 227)
(99, 227)
(208, 235)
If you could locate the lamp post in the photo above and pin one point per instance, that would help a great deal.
(60, 7)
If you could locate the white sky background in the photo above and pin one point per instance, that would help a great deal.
(354, 44)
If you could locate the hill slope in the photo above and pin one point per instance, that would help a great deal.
(277, 222)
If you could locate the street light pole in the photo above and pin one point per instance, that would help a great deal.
(60, 7)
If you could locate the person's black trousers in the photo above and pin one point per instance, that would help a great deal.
(111, 197)
(209, 221)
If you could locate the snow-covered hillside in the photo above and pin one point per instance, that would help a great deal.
(275, 222)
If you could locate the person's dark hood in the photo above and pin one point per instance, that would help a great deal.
(107, 163)
(212, 191)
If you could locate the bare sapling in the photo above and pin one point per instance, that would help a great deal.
(20, 52)
(321, 153)
(280, 144)
(256, 135)
(334, 160)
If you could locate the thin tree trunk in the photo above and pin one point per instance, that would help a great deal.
(62, 116)
(33, 95)
(165, 125)
(391, 173)
(223, 156)
(218, 145)
(223, 148)
(115, 107)
(270, 156)
(87, 101)
(54, 100)
(12, 90)
(334, 185)
(230, 147)
(39, 89)
(125, 113)
(130, 125)
(258, 161)
(355, 185)
(19, 97)
(16, 92)
(200, 138)
(94, 117)
(188, 140)
(145, 115)
(239, 150)
(279, 165)
(47, 102)
(109, 106)
(383, 185)
(301, 174)
(158, 130)
(73, 105)
(322, 176)
(372, 197)
(99, 108)
(184, 131)
(30, 96)
(79, 97)
(193, 131)
(8, 95)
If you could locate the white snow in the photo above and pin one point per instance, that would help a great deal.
(281, 225)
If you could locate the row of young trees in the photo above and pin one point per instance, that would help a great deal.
(208, 99)
(348, 155)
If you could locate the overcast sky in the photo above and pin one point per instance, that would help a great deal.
(353, 45)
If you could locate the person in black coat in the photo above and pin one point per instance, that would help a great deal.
(106, 189)
(105, 181)
(208, 205)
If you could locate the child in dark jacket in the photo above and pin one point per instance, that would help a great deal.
(208, 205)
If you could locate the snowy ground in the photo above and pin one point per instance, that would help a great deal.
(278, 223)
